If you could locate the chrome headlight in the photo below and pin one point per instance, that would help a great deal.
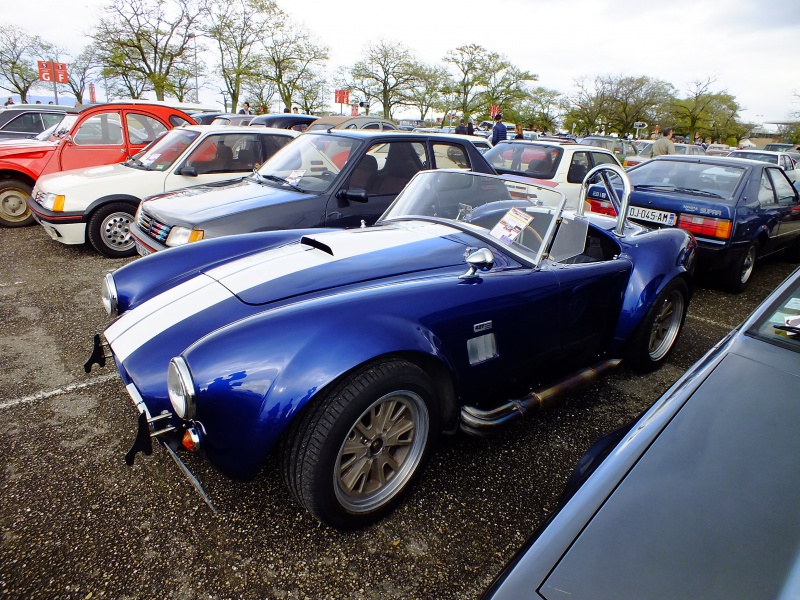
(54, 202)
(178, 236)
(109, 293)
(181, 388)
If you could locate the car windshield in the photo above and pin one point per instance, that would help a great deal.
(517, 215)
(645, 149)
(768, 158)
(164, 152)
(310, 163)
(45, 135)
(64, 126)
(532, 159)
(687, 177)
(780, 324)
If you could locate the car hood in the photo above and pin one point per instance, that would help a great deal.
(211, 201)
(146, 337)
(23, 148)
(77, 178)
(338, 259)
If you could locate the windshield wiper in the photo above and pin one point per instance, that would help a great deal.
(136, 164)
(697, 192)
(787, 328)
(271, 177)
(669, 188)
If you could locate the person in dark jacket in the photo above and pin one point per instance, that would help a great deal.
(470, 128)
(461, 128)
(499, 131)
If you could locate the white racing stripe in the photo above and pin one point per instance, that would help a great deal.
(138, 326)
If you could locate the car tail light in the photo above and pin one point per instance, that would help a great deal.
(603, 207)
(706, 226)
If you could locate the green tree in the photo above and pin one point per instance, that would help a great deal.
(426, 94)
(291, 57)
(19, 51)
(469, 80)
(148, 38)
(632, 99)
(387, 73)
(588, 105)
(540, 109)
(693, 112)
(237, 30)
(505, 83)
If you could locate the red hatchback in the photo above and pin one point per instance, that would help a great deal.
(96, 134)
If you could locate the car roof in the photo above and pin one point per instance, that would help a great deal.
(760, 151)
(38, 107)
(710, 159)
(236, 129)
(390, 134)
(339, 120)
(558, 143)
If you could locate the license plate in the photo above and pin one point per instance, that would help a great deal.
(143, 250)
(654, 216)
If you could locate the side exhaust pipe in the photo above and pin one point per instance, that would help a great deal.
(481, 422)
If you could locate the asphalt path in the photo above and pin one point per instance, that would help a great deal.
(76, 522)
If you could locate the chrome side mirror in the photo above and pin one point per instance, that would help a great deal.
(482, 259)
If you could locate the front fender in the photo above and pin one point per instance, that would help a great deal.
(653, 254)
(151, 275)
(254, 376)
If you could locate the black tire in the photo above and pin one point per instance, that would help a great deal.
(109, 230)
(337, 458)
(735, 278)
(14, 211)
(657, 333)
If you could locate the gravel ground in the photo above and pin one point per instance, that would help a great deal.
(76, 522)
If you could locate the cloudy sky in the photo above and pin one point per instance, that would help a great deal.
(750, 47)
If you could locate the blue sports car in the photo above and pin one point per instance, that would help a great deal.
(473, 300)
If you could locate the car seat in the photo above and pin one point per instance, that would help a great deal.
(364, 174)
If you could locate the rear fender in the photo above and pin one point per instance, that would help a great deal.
(147, 277)
(253, 377)
(653, 255)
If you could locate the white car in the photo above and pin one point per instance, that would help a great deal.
(98, 203)
(782, 159)
(644, 153)
(562, 165)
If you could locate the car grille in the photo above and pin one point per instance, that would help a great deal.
(153, 228)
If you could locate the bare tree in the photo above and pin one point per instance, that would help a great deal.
(632, 99)
(19, 51)
(82, 70)
(505, 83)
(589, 105)
(146, 37)
(691, 112)
(311, 93)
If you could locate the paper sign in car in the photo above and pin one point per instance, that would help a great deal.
(511, 225)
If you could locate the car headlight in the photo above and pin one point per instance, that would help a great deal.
(178, 236)
(181, 388)
(109, 293)
(54, 202)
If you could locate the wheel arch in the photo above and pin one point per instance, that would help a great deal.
(24, 176)
(126, 198)
(299, 361)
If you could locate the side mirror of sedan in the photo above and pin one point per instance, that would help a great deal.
(188, 171)
(353, 194)
(480, 260)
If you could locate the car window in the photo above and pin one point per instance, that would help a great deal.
(785, 311)
(766, 195)
(450, 156)
(578, 167)
(51, 119)
(226, 153)
(783, 189)
(397, 163)
(25, 123)
(665, 174)
(535, 160)
(270, 145)
(143, 129)
(100, 130)
(601, 158)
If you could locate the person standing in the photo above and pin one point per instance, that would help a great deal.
(499, 131)
(245, 110)
(470, 128)
(461, 128)
(519, 130)
(664, 145)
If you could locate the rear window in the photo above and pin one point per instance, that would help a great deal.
(684, 176)
(780, 325)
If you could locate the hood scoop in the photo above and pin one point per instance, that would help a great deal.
(314, 243)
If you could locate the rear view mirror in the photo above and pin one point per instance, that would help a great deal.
(188, 171)
(354, 195)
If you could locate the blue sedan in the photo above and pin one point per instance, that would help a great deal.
(696, 499)
(739, 210)
(349, 351)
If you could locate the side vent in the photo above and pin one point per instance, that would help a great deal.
(481, 349)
